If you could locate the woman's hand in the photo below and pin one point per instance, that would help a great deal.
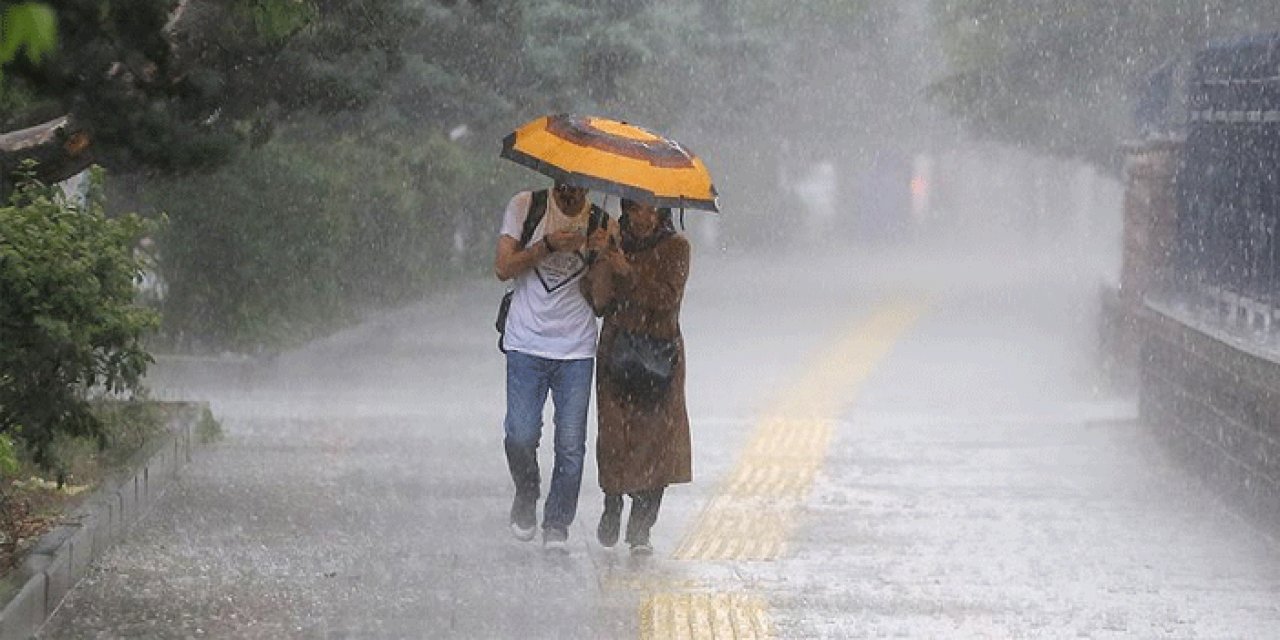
(598, 240)
(617, 260)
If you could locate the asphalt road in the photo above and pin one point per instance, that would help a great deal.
(899, 445)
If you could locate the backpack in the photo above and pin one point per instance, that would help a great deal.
(598, 219)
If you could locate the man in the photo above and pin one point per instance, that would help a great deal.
(550, 344)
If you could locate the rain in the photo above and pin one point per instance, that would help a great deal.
(976, 334)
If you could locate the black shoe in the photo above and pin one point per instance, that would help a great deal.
(638, 533)
(638, 538)
(524, 518)
(610, 521)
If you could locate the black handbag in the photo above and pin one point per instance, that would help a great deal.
(504, 308)
(642, 364)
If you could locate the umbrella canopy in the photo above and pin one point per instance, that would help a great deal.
(613, 157)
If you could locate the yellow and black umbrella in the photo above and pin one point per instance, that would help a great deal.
(613, 157)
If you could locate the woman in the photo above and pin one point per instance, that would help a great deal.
(643, 442)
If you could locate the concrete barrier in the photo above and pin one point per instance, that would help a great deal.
(1215, 402)
(37, 587)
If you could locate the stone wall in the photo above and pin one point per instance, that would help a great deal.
(1148, 237)
(1216, 405)
(1212, 397)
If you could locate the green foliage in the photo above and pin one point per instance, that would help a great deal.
(79, 461)
(127, 426)
(304, 147)
(27, 27)
(1061, 76)
(341, 213)
(245, 253)
(208, 430)
(308, 231)
(69, 327)
(710, 63)
(737, 80)
(185, 91)
(8, 457)
(275, 21)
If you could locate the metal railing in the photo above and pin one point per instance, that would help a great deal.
(1226, 262)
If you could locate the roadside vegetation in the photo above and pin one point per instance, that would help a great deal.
(318, 159)
(71, 353)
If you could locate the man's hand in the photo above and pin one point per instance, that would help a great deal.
(567, 240)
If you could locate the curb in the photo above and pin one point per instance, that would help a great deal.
(37, 587)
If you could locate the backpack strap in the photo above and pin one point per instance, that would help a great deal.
(599, 219)
(537, 210)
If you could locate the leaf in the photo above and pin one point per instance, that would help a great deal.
(32, 26)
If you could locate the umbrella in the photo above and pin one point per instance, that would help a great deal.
(613, 157)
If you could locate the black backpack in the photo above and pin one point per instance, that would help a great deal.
(598, 219)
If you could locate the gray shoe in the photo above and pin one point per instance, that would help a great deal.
(521, 533)
(641, 549)
(555, 539)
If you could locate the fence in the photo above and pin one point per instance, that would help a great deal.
(1227, 249)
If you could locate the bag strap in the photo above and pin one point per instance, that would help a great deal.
(537, 210)
(599, 219)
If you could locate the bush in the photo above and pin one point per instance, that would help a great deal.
(208, 430)
(69, 328)
(313, 229)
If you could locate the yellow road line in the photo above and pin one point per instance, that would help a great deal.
(752, 513)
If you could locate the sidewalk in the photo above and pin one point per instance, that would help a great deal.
(975, 483)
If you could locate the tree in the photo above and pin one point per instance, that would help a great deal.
(285, 242)
(752, 75)
(347, 150)
(28, 28)
(174, 86)
(69, 328)
(1063, 76)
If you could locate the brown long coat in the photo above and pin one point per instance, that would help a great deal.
(640, 445)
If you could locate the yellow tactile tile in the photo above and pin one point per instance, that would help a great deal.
(704, 616)
(753, 512)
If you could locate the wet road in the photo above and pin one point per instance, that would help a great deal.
(893, 446)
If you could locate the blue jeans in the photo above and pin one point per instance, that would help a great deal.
(569, 381)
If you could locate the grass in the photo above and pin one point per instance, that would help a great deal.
(34, 500)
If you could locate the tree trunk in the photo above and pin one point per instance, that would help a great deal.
(59, 148)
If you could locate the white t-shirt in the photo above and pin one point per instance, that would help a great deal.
(549, 318)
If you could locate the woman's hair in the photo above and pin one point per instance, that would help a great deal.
(664, 215)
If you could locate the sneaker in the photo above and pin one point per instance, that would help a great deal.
(641, 549)
(523, 534)
(524, 518)
(555, 539)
